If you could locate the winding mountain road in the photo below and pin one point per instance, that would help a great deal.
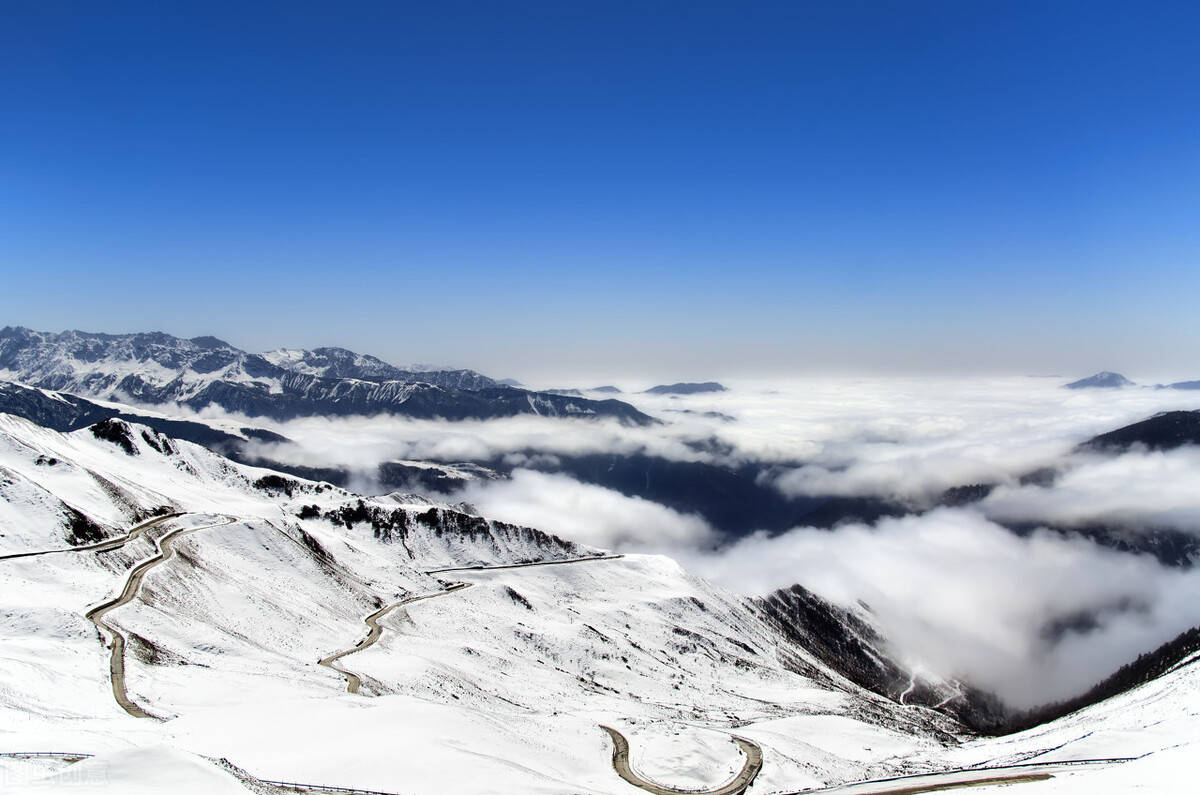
(165, 550)
(736, 786)
(103, 546)
(353, 681)
(620, 760)
(116, 641)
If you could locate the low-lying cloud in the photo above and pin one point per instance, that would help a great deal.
(962, 596)
(1137, 490)
(365, 442)
(1032, 617)
(586, 513)
(894, 437)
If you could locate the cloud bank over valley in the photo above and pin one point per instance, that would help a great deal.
(999, 590)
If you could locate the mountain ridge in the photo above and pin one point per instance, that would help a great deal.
(224, 637)
(156, 368)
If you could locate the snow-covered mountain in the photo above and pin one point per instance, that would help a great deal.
(1102, 380)
(77, 361)
(65, 412)
(267, 575)
(240, 611)
(850, 641)
(155, 368)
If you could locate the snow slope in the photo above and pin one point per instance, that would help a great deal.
(148, 770)
(497, 687)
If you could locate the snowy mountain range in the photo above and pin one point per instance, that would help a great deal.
(498, 652)
(175, 618)
(737, 500)
(276, 573)
(280, 627)
(155, 368)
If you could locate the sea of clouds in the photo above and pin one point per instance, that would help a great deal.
(956, 591)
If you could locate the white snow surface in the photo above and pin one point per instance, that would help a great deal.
(497, 687)
(148, 770)
(684, 757)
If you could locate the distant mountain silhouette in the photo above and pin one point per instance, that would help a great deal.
(686, 388)
(1102, 380)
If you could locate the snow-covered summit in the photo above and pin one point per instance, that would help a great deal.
(1101, 380)
(90, 363)
(342, 363)
(155, 368)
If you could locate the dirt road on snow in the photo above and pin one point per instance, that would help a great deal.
(103, 546)
(353, 681)
(736, 786)
(116, 641)
(375, 631)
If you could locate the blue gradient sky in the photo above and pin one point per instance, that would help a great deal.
(686, 188)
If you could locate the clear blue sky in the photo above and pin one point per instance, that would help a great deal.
(688, 188)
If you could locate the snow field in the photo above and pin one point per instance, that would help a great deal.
(494, 688)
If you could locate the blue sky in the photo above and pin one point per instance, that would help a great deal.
(680, 188)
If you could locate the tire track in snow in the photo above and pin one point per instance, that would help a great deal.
(165, 547)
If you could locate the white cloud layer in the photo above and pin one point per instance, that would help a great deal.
(905, 437)
(364, 442)
(1135, 490)
(957, 592)
(962, 596)
(590, 514)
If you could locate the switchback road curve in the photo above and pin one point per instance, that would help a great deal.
(353, 681)
(103, 546)
(738, 785)
(116, 641)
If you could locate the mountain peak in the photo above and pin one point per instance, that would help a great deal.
(686, 388)
(209, 342)
(1102, 380)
